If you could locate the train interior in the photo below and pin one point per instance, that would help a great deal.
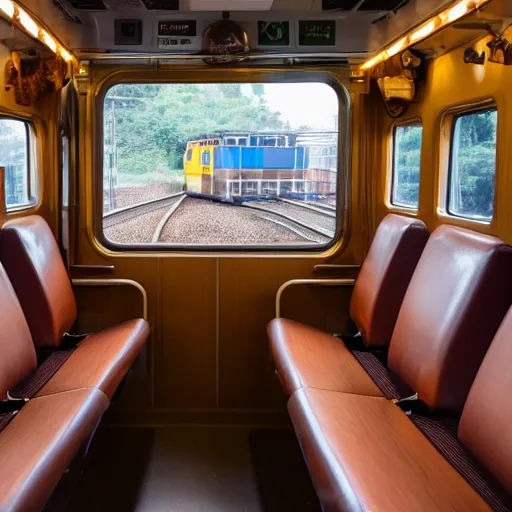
(254, 255)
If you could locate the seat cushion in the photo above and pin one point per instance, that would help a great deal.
(101, 360)
(364, 453)
(32, 259)
(39, 444)
(306, 357)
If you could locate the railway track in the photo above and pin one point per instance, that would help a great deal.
(122, 215)
(307, 216)
(306, 222)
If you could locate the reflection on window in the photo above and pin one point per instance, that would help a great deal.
(406, 166)
(14, 157)
(221, 164)
(473, 165)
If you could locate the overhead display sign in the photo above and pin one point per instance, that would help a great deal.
(273, 33)
(177, 28)
(317, 33)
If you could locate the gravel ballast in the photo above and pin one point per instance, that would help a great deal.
(138, 230)
(199, 221)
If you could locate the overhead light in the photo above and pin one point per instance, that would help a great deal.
(400, 45)
(423, 31)
(12, 10)
(28, 23)
(48, 40)
(7, 7)
(373, 62)
(66, 55)
(457, 11)
(450, 15)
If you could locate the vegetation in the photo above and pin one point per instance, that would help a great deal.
(473, 165)
(154, 122)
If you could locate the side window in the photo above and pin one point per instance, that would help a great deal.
(15, 158)
(205, 157)
(473, 165)
(406, 166)
(189, 155)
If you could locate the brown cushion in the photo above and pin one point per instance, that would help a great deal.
(33, 262)
(486, 423)
(17, 353)
(39, 444)
(457, 298)
(364, 453)
(101, 360)
(384, 277)
(307, 357)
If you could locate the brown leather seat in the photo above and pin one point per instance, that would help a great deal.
(457, 297)
(378, 293)
(38, 444)
(364, 453)
(31, 257)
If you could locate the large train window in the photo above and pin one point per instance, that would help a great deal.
(405, 187)
(221, 164)
(15, 159)
(471, 180)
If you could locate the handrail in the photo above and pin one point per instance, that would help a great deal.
(117, 282)
(309, 282)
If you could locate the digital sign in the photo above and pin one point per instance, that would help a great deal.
(317, 33)
(273, 33)
(177, 28)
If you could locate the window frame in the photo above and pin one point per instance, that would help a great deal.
(258, 75)
(32, 168)
(455, 116)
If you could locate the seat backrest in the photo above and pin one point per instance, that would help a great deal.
(17, 353)
(457, 298)
(485, 426)
(33, 262)
(384, 277)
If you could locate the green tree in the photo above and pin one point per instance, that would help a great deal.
(153, 123)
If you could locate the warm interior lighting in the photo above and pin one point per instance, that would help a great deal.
(457, 11)
(66, 55)
(28, 23)
(400, 45)
(373, 62)
(7, 7)
(450, 15)
(49, 41)
(423, 31)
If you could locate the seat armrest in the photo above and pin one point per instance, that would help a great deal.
(309, 282)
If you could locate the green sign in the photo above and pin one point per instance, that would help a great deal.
(273, 33)
(317, 33)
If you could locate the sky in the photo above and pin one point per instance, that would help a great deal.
(311, 104)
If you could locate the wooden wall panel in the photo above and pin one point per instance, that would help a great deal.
(248, 289)
(186, 358)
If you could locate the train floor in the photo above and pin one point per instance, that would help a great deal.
(194, 469)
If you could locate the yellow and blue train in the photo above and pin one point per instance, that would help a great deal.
(238, 164)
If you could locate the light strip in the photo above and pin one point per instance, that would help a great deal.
(13, 11)
(7, 7)
(435, 23)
